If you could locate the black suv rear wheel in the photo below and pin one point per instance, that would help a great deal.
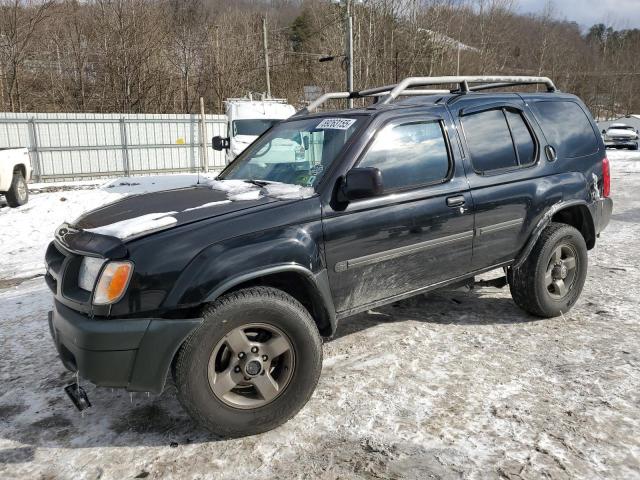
(551, 279)
(252, 365)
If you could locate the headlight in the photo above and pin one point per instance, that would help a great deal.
(88, 274)
(113, 282)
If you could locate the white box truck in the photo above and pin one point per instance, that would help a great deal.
(247, 120)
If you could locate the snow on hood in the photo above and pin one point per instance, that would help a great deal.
(137, 215)
(136, 225)
(206, 205)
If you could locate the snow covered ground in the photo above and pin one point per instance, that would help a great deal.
(446, 385)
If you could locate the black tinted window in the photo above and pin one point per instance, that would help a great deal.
(409, 155)
(567, 128)
(489, 141)
(522, 138)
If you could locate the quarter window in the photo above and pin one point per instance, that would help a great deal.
(409, 155)
(567, 128)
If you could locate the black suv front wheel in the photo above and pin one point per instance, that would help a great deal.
(251, 365)
(551, 279)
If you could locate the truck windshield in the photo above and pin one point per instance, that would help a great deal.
(254, 127)
(296, 152)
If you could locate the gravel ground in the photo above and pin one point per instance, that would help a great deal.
(453, 384)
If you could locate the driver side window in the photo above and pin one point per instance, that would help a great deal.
(409, 155)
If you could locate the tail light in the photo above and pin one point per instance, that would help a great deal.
(606, 178)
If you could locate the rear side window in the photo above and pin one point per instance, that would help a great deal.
(522, 138)
(498, 139)
(567, 128)
(409, 155)
(489, 141)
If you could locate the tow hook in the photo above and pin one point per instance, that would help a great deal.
(78, 396)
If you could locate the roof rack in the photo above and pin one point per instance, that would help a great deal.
(390, 92)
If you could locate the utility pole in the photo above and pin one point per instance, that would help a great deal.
(204, 155)
(349, 48)
(266, 55)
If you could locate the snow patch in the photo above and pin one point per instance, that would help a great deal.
(136, 226)
(206, 205)
(286, 191)
(238, 190)
(154, 183)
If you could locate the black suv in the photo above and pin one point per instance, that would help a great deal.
(230, 285)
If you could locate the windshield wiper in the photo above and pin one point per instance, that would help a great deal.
(259, 183)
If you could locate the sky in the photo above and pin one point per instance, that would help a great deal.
(619, 14)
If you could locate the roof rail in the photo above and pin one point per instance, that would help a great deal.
(372, 92)
(391, 92)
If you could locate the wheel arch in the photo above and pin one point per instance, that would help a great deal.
(575, 213)
(311, 290)
(20, 168)
(579, 217)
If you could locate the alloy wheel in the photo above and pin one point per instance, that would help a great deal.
(251, 366)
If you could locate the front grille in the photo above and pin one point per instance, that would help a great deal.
(62, 274)
(54, 259)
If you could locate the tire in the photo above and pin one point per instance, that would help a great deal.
(18, 193)
(201, 365)
(530, 283)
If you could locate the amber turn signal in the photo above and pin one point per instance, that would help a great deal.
(113, 282)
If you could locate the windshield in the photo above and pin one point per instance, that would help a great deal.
(296, 152)
(254, 127)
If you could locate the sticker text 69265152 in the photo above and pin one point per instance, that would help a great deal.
(336, 123)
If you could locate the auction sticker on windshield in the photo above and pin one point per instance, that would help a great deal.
(336, 123)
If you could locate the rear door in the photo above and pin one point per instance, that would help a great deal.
(502, 161)
(418, 233)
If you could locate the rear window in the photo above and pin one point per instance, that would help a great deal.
(567, 128)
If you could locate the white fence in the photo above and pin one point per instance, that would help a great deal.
(72, 146)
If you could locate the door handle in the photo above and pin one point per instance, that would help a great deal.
(456, 201)
(551, 154)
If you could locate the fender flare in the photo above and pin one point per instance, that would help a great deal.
(541, 225)
(319, 283)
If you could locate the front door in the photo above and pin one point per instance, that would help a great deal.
(418, 233)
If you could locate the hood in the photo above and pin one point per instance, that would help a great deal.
(621, 132)
(140, 215)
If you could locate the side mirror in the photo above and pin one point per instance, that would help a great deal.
(362, 183)
(220, 143)
(604, 131)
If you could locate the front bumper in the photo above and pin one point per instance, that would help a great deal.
(621, 143)
(126, 353)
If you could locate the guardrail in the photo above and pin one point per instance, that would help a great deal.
(68, 147)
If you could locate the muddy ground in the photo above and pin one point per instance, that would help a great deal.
(453, 384)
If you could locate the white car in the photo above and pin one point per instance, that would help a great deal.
(15, 172)
(619, 135)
